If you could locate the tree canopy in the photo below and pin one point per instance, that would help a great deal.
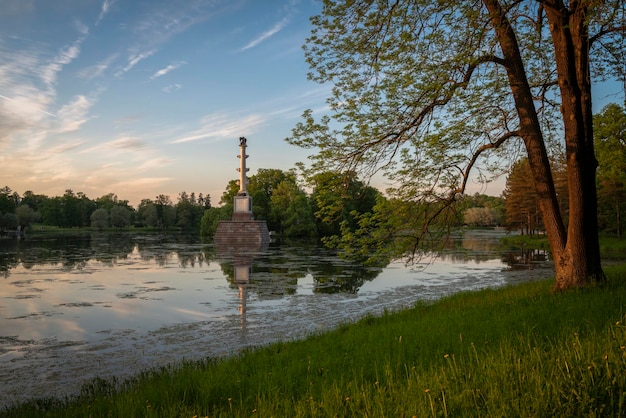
(431, 93)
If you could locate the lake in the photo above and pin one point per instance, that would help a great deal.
(74, 307)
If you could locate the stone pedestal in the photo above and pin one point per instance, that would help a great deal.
(243, 234)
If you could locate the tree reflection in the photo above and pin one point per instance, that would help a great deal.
(525, 259)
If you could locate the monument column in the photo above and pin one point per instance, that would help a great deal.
(243, 202)
(242, 234)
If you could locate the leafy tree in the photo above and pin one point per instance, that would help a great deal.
(147, 213)
(166, 212)
(480, 216)
(8, 221)
(492, 204)
(610, 141)
(212, 216)
(26, 216)
(100, 218)
(34, 201)
(339, 199)
(7, 203)
(432, 92)
(521, 208)
(291, 209)
(261, 187)
(189, 211)
(230, 192)
(52, 212)
(107, 201)
(119, 216)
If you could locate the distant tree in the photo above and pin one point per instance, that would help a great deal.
(610, 141)
(107, 201)
(230, 192)
(204, 201)
(212, 216)
(291, 210)
(34, 201)
(100, 219)
(147, 213)
(495, 205)
(166, 212)
(7, 203)
(189, 211)
(522, 211)
(52, 212)
(340, 198)
(119, 216)
(480, 216)
(8, 221)
(261, 187)
(26, 216)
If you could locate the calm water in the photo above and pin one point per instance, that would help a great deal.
(76, 307)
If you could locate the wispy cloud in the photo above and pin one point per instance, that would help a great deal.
(172, 87)
(268, 34)
(29, 90)
(65, 56)
(154, 163)
(222, 126)
(106, 6)
(128, 143)
(97, 70)
(167, 69)
(74, 114)
(133, 60)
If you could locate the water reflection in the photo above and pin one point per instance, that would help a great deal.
(331, 275)
(84, 305)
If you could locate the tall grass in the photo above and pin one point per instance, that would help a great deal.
(515, 351)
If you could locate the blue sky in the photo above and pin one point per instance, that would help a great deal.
(148, 97)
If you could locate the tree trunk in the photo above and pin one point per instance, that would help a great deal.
(579, 263)
(576, 252)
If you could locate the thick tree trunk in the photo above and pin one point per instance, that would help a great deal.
(575, 251)
(579, 263)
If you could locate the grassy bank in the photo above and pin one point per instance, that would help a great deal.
(516, 351)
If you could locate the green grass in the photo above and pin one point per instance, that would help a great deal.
(516, 351)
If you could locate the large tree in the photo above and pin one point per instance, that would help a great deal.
(435, 92)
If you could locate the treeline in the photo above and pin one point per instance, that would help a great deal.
(76, 210)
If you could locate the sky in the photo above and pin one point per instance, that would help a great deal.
(147, 97)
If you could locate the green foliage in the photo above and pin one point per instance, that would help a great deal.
(100, 219)
(26, 216)
(610, 143)
(212, 216)
(119, 217)
(291, 211)
(517, 351)
(189, 211)
(338, 199)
